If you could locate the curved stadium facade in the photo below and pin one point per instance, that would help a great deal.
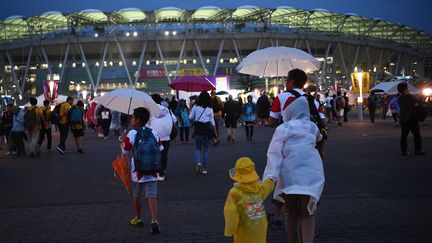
(98, 51)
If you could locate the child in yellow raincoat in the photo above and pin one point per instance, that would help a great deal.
(244, 213)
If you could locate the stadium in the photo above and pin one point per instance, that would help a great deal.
(99, 51)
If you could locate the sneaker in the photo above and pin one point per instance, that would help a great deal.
(8, 153)
(204, 172)
(161, 177)
(80, 151)
(136, 222)
(198, 168)
(106, 137)
(406, 153)
(100, 135)
(155, 229)
(60, 150)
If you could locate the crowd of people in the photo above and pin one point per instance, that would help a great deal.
(294, 170)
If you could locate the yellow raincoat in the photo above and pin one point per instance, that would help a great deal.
(245, 217)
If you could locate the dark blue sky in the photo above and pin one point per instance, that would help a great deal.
(414, 13)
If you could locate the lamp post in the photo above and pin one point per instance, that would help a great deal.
(360, 98)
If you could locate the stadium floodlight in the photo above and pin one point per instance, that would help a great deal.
(105, 64)
(157, 62)
(147, 62)
(208, 60)
(174, 32)
(60, 65)
(111, 63)
(83, 64)
(185, 61)
(74, 65)
(96, 35)
(134, 63)
(127, 34)
(135, 34)
(120, 63)
(194, 61)
(221, 60)
(167, 33)
(97, 64)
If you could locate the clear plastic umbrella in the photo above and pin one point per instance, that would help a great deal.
(277, 62)
(125, 100)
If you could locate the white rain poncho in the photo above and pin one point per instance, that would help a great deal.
(292, 157)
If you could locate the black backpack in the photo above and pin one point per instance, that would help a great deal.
(314, 114)
(55, 114)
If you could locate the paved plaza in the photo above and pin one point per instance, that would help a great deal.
(372, 194)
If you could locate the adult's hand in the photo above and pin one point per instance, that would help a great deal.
(272, 122)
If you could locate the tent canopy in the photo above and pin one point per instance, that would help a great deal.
(390, 88)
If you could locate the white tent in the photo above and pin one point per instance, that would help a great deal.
(390, 88)
(41, 98)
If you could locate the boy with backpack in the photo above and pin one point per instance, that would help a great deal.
(32, 117)
(61, 118)
(45, 126)
(244, 212)
(77, 124)
(143, 146)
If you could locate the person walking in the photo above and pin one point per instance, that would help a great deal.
(244, 212)
(408, 121)
(372, 103)
(249, 111)
(263, 109)
(232, 112)
(32, 124)
(45, 129)
(146, 151)
(217, 107)
(394, 107)
(77, 124)
(6, 125)
(115, 125)
(347, 107)
(182, 113)
(105, 121)
(328, 108)
(205, 129)
(384, 106)
(163, 124)
(339, 107)
(63, 124)
(296, 165)
(17, 132)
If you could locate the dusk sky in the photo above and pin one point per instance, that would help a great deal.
(414, 13)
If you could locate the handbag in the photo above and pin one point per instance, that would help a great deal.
(389, 113)
(203, 128)
(174, 130)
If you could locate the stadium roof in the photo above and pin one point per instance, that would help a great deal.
(318, 20)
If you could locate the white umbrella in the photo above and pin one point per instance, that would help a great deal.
(277, 62)
(41, 99)
(125, 100)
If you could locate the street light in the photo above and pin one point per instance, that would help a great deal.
(360, 98)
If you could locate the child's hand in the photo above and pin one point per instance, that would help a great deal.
(139, 175)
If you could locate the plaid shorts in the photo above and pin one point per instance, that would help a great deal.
(150, 189)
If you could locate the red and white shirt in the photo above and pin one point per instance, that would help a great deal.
(283, 100)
